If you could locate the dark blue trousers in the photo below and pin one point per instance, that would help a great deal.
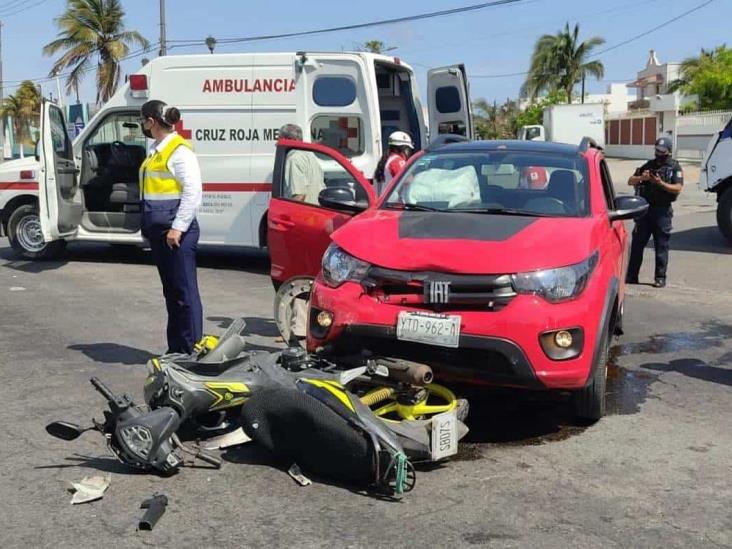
(177, 269)
(656, 223)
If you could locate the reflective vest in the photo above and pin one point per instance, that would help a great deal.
(161, 191)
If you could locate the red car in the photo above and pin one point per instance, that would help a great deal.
(461, 266)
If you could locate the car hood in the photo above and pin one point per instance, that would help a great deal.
(467, 243)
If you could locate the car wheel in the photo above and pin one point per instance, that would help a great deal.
(26, 237)
(589, 402)
(290, 309)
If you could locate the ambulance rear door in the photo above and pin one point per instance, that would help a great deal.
(336, 107)
(448, 102)
(59, 196)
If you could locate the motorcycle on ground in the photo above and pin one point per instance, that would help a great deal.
(359, 420)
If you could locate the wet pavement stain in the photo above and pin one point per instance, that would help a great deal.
(712, 334)
(506, 417)
(626, 389)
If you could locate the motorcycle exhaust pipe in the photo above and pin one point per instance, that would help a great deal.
(410, 372)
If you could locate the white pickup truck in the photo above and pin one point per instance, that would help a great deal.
(716, 176)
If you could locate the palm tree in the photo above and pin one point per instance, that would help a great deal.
(375, 46)
(24, 107)
(93, 29)
(691, 66)
(560, 61)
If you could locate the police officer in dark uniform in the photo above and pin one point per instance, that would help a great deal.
(659, 181)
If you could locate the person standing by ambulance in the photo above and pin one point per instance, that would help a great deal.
(400, 149)
(171, 192)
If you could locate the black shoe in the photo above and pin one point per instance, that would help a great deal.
(659, 283)
(631, 280)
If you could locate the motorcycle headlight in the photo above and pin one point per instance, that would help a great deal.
(138, 439)
(340, 266)
(557, 285)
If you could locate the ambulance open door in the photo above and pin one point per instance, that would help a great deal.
(448, 102)
(335, 109)
(59, 195)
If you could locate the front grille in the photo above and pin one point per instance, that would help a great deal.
(440, 291)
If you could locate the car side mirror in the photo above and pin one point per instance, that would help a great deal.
(628, 207)
(37, 149)
(341, 198)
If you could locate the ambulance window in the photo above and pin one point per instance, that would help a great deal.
(124, 127)
(59, 137)
(342, 133)
(334, 91)
(448, 99)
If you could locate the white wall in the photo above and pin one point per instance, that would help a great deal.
(641, 152)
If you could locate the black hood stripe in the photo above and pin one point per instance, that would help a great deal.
(461, 226)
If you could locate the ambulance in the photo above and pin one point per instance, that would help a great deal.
(232, 107)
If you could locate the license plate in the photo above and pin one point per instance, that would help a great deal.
(444, 441)
(432, 329)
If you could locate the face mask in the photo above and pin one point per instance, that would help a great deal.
(147, 133)
(661, 156)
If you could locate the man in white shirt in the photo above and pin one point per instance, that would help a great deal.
(303, 174)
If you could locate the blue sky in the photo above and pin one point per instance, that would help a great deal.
(490, 41)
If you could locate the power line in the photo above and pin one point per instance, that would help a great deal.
(22, 9)
(44, 79)
(613, 47)
(654, 29)
(418, 17)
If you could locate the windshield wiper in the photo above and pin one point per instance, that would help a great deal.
(411, 206)
(504, 211)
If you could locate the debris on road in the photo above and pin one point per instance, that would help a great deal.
(89, 489)
(155, 506)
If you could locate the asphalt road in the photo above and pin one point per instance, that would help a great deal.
(655, 472)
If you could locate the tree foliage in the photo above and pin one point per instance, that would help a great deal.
(92, 30)
(709, 76)
(24, 107)
(560, 61)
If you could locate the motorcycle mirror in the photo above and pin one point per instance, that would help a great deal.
(64, 430)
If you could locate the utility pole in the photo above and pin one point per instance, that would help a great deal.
(2, 99)
(163, 46)
(583, 88)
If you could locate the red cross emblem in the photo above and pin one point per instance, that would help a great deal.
(185, 134)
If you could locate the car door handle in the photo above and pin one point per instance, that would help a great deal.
(66, 171)
(280, 224)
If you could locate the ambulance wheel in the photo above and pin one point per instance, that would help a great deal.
(290, 304)
(724, 214)
(26, 238)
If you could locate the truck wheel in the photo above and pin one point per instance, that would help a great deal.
(589, 402)
(724, 214)
(26, 239)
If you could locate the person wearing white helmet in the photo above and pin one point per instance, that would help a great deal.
(400, 149)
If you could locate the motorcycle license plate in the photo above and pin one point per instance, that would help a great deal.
(444, 440)
(432, 329)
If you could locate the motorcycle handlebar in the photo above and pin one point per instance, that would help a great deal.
(102, 388)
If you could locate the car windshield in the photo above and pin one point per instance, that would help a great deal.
(497, 182)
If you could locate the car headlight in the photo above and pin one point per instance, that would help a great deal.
(556, 285)
(138, 439)
(340, 266)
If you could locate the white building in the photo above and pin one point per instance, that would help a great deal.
(616, 99)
